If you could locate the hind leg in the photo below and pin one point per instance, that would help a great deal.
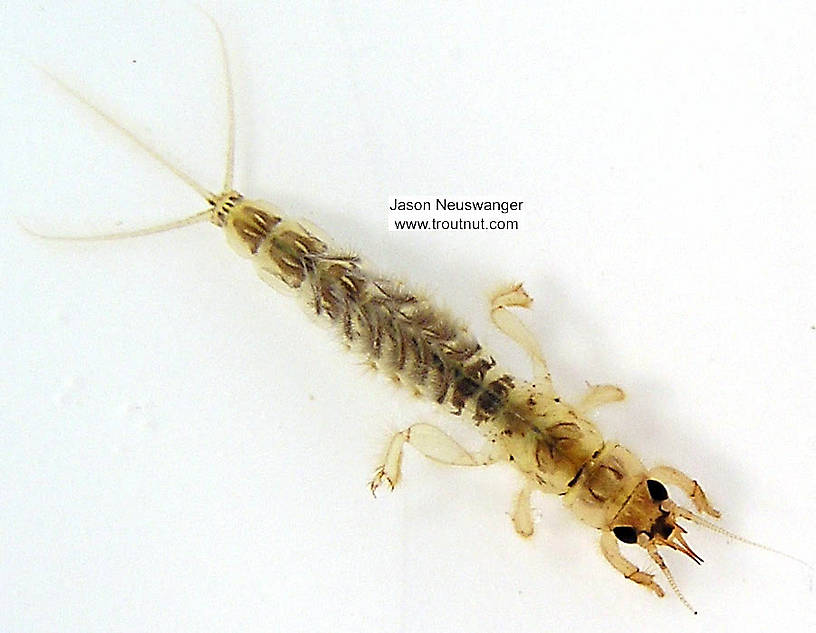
(516, 297)
(434, 444)
(612, 553)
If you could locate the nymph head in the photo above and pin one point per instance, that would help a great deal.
(650, 519)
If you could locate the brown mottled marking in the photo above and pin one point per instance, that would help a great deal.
(493, 397)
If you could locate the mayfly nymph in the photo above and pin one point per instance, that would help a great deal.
(552, 443)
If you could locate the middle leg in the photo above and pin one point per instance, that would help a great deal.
(599, 395)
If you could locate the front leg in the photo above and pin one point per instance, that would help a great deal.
(611, 550)
(674, 477)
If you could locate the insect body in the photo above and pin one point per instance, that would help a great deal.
(552, 443)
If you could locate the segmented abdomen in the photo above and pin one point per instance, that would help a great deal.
(400, 331)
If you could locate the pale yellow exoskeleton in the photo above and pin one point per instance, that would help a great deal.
(552, 443)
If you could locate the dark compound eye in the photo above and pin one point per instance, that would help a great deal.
(657, 490)
(625, 534)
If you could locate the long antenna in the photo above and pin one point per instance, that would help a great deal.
(688, 514)
(665, 569)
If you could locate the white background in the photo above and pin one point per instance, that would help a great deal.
(183, 450)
